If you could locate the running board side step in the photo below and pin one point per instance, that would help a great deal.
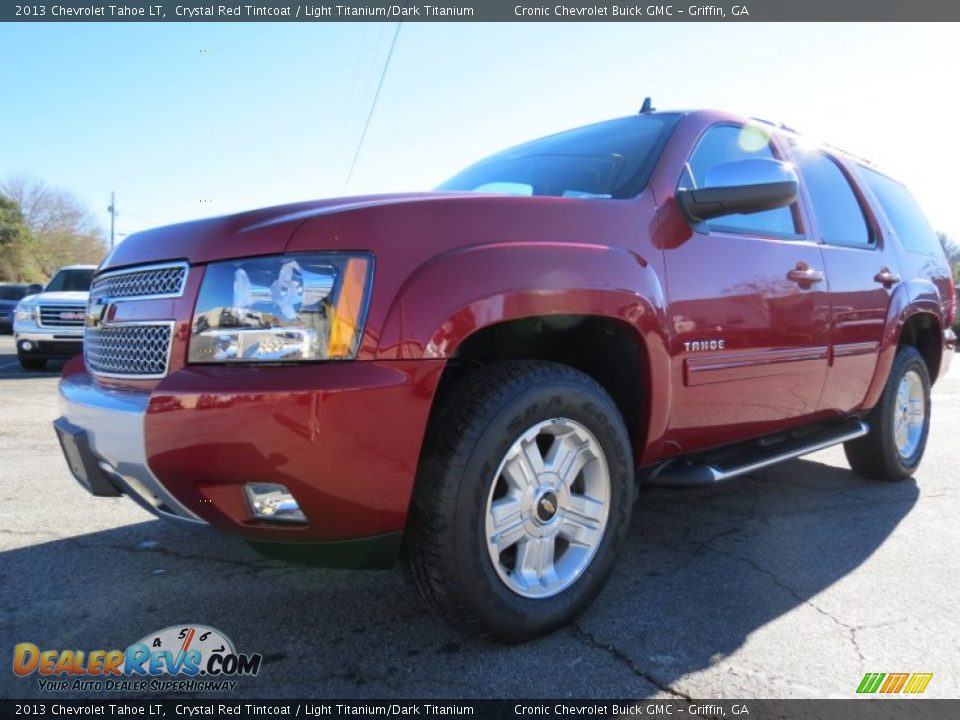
(704, 473)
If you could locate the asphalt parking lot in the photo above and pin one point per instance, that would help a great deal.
(793, 582)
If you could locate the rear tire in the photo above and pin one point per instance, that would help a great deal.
(522, 502)
(32, 363)
(899, 424)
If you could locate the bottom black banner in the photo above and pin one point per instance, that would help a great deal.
(893, 708)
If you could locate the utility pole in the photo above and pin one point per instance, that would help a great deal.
(113, 216)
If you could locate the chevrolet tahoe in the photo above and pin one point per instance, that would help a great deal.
(476, 379)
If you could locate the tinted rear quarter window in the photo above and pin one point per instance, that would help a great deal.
(909, 223)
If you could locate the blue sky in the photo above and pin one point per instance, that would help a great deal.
(187, 120)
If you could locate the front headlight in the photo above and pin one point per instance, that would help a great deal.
(285, 307)
(25, 312)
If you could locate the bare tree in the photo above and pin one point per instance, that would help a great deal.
(62, 229)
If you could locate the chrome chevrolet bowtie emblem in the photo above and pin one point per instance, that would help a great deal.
(96, 309)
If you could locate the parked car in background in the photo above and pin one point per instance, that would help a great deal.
(49, 324)
(10, 295)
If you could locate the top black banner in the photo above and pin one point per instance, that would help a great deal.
(482, 11)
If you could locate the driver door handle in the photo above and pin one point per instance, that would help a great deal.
(886, 278)
(804, 275)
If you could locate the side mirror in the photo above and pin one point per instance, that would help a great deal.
(34, 289)
(741, 187)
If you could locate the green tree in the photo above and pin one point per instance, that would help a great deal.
(14, 242)
(952, 251)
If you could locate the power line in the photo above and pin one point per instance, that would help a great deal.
(373, 106)
(127, 213)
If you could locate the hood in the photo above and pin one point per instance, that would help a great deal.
(257, 232)
(403, 231)
(58, 297)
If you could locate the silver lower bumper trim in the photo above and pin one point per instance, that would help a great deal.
(114, 424)
(65, 335)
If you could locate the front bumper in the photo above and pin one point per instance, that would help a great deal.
(101, 432)
(343, 437)
(48, 344)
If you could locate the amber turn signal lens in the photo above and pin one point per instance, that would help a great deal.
(347, 309)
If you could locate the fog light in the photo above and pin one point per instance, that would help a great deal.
(273, 502)
(26, 345)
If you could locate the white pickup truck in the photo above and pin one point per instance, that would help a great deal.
(49, 325)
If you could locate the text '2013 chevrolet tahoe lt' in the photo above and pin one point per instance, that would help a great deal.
(474, 379)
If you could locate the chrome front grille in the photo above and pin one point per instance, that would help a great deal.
(139, 351)
(62, 315)
(142, 283)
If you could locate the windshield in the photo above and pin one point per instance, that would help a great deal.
(12, 292)
(70, 280)
(612, 159)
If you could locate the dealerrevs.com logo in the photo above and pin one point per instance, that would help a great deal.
(187, 658)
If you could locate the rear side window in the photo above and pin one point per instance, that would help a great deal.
(908, 220)
(839, 214)
(726, 143)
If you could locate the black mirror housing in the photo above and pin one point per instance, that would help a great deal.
(741, 187)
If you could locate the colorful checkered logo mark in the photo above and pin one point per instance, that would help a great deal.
(892, 683)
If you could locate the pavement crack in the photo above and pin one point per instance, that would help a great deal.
(850, 630)
(591, 641)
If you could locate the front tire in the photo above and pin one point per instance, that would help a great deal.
(32, 363)
(899, 424)
(523, 499)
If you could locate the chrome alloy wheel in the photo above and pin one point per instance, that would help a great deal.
(910, 414)
(547, 508)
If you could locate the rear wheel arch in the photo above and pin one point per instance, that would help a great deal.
(922, 331)
(910, 322)
(898, 424)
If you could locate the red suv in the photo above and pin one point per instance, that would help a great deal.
(476, 378)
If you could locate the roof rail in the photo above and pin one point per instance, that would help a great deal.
(776, 124)
(794, 131)
(847, 152)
